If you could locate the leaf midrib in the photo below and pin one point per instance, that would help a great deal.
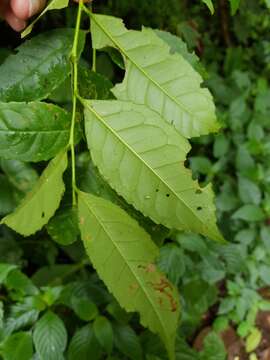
(130, 268)
(142, 160)
(176, 101)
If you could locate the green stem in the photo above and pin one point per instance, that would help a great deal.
(74, 61)
(94, 60)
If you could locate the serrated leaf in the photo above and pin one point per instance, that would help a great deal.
(18, 347)
(39, 66)
(142, 158)
(40, 204)
(53, 5)
(50, 337)
(32, 131)
(84, 345)
(123, 255)
(164, 82)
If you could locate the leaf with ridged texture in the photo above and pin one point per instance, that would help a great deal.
(142, 158)
(50, 337)
(39, 66)
(84, 345)
(52, 5)
(123, 255)
(32, 131)
(165, 82)
(40, 204)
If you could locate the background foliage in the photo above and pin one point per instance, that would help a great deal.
(51, 296)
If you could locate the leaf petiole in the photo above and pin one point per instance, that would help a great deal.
(74, 64)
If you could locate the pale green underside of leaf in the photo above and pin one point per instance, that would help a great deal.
(165, 82)
(41, 203)
(142, 158)
(123, 255)
(53, 5)
(32, 131)
(38, 67)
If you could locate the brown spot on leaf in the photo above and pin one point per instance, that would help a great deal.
(166, 289)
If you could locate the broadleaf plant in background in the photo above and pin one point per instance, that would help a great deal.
(139, 143)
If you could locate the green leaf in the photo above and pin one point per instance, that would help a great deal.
(171, 262)
(93, 85)
(213, 348)
(142, 158)
(8, 200)
(84, 345)
(164, 82)
(22, 175)
(32, 131)
(40, 204)
(104, 333)
(177, 45)
(234, 6)
(20, 283)
(18, 347)
(5, 269)
(20, 321)
(1, 315)
(52, 5)
(249, 213)
(210, 5)
(39, 66)
(249, 192)
(50, 337)
(63, 227)
(123, 255)
(127, 341)
(267, 3)
(84, 308)
(253, 340)
(53, 275)
(221, 145)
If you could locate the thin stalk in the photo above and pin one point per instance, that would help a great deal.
(94, 51)
(74, 62)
